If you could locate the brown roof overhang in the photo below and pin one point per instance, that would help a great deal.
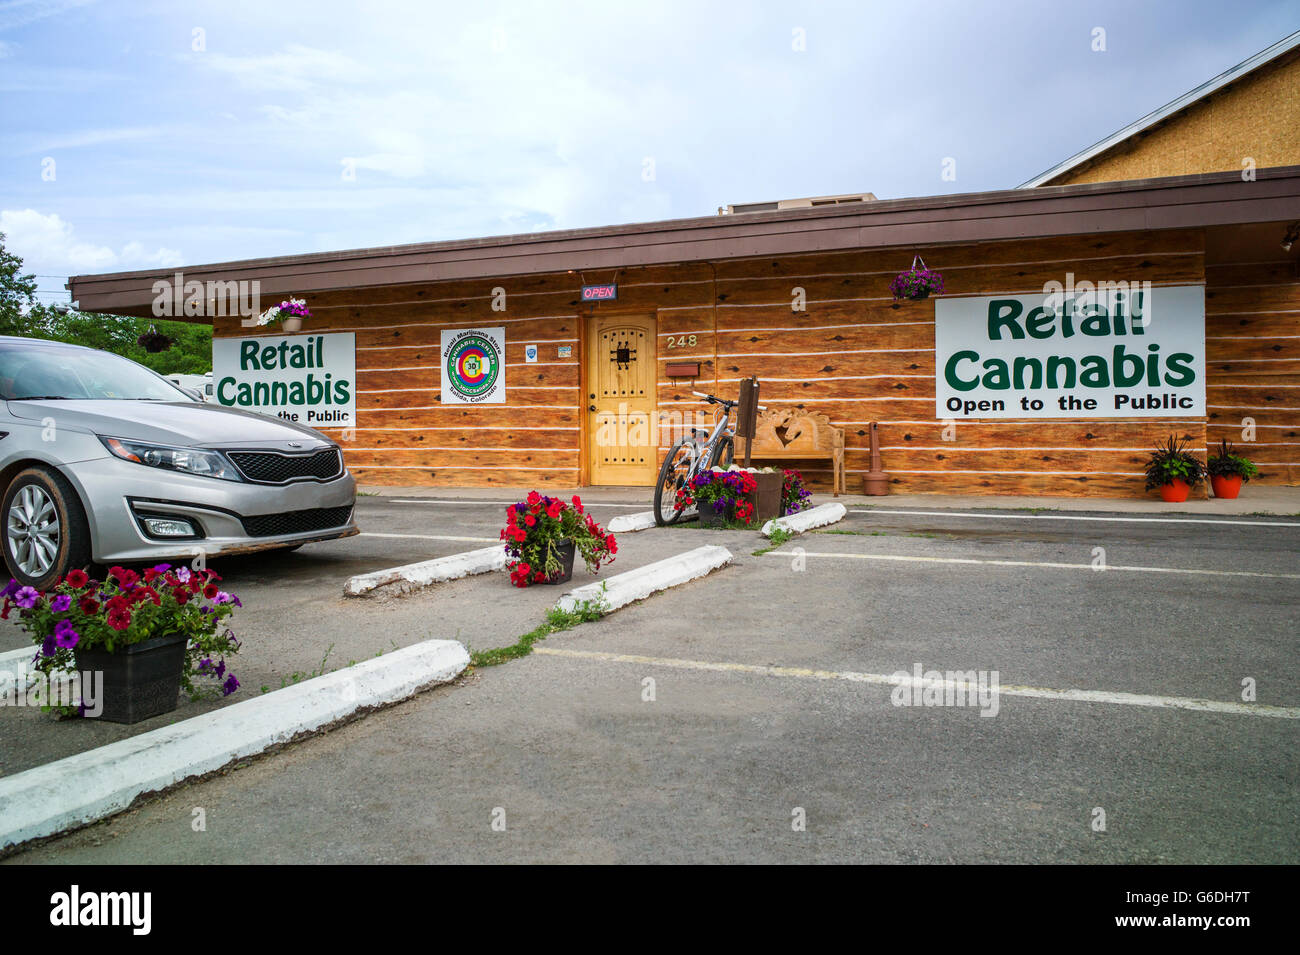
(1178, 202)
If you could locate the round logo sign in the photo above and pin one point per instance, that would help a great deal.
(473, 366)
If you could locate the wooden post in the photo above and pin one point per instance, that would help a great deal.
(747, 414)
(875, 481)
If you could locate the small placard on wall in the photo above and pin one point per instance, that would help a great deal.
(530, 353)
(566, 351)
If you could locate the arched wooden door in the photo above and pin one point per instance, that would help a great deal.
(623, 440)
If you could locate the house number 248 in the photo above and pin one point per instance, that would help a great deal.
(682, 341)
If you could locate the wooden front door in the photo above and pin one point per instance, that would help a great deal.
(622, 435)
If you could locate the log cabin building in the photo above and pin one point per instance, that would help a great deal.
(565, 359)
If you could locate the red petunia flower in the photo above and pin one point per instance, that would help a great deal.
(530, 520)
(77, 578)
(88, 605)
(119, 618)
(534, 498)
(211, 590)
(126, 579)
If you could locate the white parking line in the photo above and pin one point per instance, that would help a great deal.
(1074, 517)
(1033, 692)
(1034, 563)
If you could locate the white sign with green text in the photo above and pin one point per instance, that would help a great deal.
(310, 379)
(1125, 351)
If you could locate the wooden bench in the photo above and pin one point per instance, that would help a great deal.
(788, 434)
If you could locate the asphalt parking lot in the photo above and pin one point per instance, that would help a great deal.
(767, 703)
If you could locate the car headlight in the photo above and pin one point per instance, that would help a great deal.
(187, 460)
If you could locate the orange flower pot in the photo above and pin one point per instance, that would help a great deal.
(1176, 491)
(1226, 486)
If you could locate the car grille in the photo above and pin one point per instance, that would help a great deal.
(297, 522)
(272, 467)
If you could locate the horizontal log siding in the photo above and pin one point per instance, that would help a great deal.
(859, 356)
(854, 354)
(1252, 344)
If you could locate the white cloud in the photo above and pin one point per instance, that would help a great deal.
(297, 68)
(82, 138)
(47, 245)
(17, 13)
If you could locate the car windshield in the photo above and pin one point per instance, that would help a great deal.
(51, 372)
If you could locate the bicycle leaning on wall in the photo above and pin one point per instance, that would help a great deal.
(692, 454)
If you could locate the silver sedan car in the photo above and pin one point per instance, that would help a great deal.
(104, 461)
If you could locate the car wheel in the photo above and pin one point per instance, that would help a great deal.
(45, 530)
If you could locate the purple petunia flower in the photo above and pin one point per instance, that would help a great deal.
(221, 669)
(10, 589)
(183, 574)
(47, 647)
(64, 635)
(230, 686)
(27, 597)
(163, 568)
(60, 603)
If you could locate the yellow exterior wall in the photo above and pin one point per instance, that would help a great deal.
(1257, 116)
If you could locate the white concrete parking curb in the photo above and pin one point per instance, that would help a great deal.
(14, 662)
(426, 572)
(622, 589)
(818, 516)
(88, 786)
(626, 523)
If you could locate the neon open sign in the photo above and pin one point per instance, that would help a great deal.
(599, 293)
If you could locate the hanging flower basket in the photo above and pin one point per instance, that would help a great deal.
(289, 314)
(154, 341)
(916, 283)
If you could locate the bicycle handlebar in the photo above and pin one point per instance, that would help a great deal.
(722, 401)
(713, 400)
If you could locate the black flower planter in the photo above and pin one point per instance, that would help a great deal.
(140, 680)
(714, 518)
(566, 551)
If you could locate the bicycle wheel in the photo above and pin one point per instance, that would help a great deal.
(672, 476)
(724, 454)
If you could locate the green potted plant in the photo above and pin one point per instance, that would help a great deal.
(794, 496)
(1174, 470)
(721, 497)
(542, 536)
(1228, 471)
(149, 635)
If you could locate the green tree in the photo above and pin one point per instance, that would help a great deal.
(17, 292)
(20, 314)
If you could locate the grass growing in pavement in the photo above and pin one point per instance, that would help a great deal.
(779, 536)
(557, 620)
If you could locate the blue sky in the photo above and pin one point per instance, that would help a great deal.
(140, 134)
